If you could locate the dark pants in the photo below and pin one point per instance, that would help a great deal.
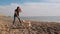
(15, 19)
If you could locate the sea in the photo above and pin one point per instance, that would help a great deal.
(42, 18)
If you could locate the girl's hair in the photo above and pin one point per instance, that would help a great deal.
(17, 7)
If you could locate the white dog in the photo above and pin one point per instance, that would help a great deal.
(29, 23)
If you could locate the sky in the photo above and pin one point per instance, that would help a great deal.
(31, 7)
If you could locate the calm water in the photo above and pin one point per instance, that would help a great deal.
(43, 18)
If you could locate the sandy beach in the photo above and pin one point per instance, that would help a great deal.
(28, 27)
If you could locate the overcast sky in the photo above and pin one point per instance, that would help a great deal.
(31, 7)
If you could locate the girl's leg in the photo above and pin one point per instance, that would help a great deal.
(19, 19)
(14, 20)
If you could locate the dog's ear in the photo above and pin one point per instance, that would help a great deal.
(29, 23)
(23, 20)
